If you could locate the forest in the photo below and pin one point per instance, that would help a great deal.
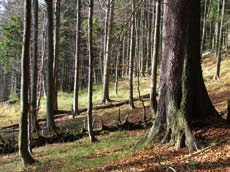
(114, 85)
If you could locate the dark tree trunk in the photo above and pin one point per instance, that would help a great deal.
(183, 99)
(90, 75)
(50, 79)
(35, 125)
(25, 77)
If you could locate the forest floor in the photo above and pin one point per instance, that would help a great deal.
(114, 150)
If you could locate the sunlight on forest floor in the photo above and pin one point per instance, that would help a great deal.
(112, 153)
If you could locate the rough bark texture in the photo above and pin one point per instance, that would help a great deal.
(23, 133)
(183, 99)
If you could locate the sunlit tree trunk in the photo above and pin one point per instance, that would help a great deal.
(131, 56)
(108, 52)
(219, 43)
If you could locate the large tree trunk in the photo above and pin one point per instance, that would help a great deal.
(90, 75)
(183, 99)
(77, 59)
(50, 78)
(25, 77)
(156, 46)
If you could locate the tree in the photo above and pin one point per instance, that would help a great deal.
(131, 55)
(107, 49)
(156, 44)
(56, 53)
(77, 59)
(90, 75)
(50, 79)
(23, 132)
(219, 43)
(35, 125)
(183, 98)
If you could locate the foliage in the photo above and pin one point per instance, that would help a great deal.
(97, 28)
(10, 45)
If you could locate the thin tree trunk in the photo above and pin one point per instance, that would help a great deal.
(204, 26)
(156, 46)
(50, 79)
(56, 54)
(131, 56)
(219, 44)
(35, 125)
(90, 76)
(77, 60)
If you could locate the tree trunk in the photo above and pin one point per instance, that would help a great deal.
(131, 56)
(204, 25)
(50, 79)
(23, 132)
(57, 54)
(35, 125)
(90, 76)
(108, 52)
(219, 43)
(228, 111)
(153, 101)
(183, 99)
(77, 59)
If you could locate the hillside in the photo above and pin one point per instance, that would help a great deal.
(113, 151)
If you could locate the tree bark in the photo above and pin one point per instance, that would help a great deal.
(77, 59)
(108, 52)
(183, 98)
(156, 46)
(219, 43)
(131, 56)
(25, 77)
(90, 75)
(34, 109)
(50, 78)
(56, 54)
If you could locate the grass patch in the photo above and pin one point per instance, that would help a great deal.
(11, 113)
(78, 155)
